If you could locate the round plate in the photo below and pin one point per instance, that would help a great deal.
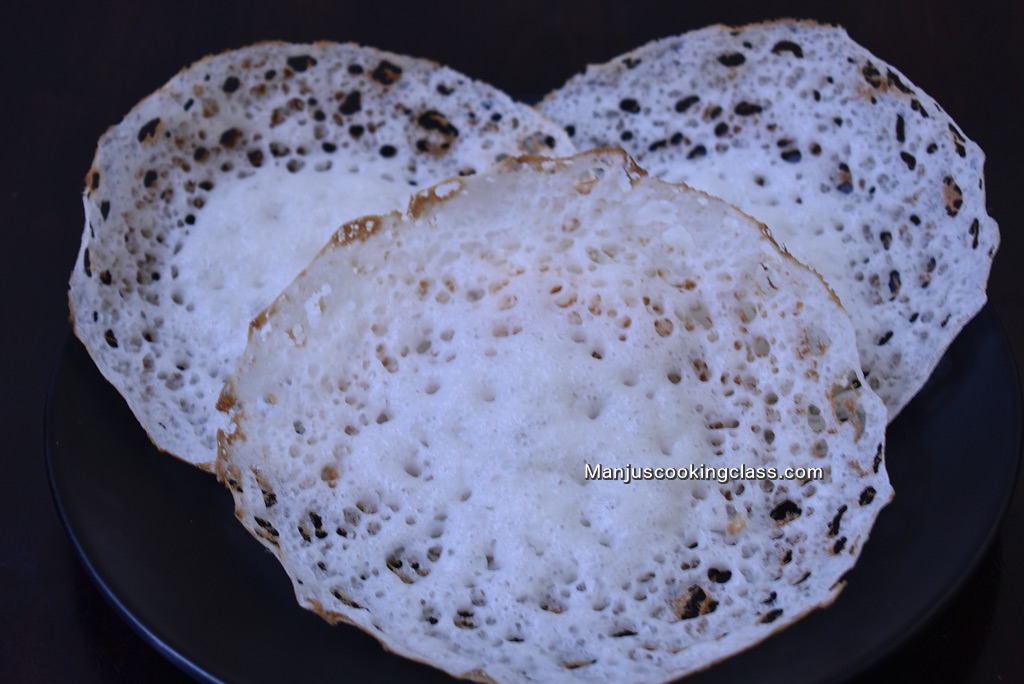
(159, 538)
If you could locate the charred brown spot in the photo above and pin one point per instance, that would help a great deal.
(867, 496)
(694, 603)
(909, 160)
(552, 605)
(872, 75)
(300, 63)
(341, 596)
(894, 80)
(395, 564)
(685, 103)
(845, 184)
(747, 108)
(149, 131)
(958, 140)
(719, 576)
(352, 103)
(265, 525)
(785, 512)
(833, 526)
(731, 59)
(787, 46)
(771, 616)
(230, 137)
(231, 84)
(953, 196)
(973, 231)
(701, 368)
(464, 619)
(577, 664)
(318, 525)
(329, 474)
(629, 105)
(433, 120)
(386, 73)
(894, 283)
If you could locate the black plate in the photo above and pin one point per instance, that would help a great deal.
(160, 539)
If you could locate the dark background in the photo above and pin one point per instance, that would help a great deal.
(70, 71)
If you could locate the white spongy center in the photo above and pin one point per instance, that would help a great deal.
(275, 224)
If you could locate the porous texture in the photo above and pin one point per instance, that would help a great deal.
(215, 191)
(413, 421)
(856, 171)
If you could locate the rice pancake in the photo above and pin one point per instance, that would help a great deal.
(539, 427)
(215, 191)
(857, 172)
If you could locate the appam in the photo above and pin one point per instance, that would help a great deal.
(537, 428)
(856, 170)
(215, 191)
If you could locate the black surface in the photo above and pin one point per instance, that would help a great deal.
(159, 538)
(73, 69)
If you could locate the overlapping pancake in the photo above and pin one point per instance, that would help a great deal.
(215, 191)
(859, 173)
(560, 421)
